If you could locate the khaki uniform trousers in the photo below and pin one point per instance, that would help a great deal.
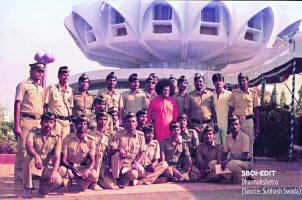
(26, 124)
(67, 175)
(247, 127)
(220, 136)
(62, 128)
(98, 165)
(170, 175)
(194, 174)
(106, 181)
(44, 187)
(149, 177)
(117, 165)
(236, 167)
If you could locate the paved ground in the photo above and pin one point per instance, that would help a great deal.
(288, 178)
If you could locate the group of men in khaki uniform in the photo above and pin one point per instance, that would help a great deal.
(106, 148)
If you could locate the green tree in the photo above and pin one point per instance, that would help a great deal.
(299, 105)
(5, 127)
(273, 99)
(283, 99)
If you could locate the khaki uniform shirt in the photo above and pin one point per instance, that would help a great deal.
(199, 104)
(82, 104)
(222, 107)
(152, 152)
(31, 97)
(101, 141)
(190, 137)
(238, 145)
(175, 155)
(134, 103)
(45, 148)
(244, 102)
(133, 145)
(149, 97)
(207, 152)
(112, 100)
(180, 100)
(59, 101)
(77, 151)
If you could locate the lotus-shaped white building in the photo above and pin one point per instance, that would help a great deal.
(207, 35)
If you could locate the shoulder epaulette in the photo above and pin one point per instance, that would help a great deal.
(236, 90)
(90, 137)
(155, 141)
(192, 130)
(140, 133)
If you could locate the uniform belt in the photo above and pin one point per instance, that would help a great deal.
(249, 116)
(62, 117)
(30, 116)
(246, 117)
(201, 122)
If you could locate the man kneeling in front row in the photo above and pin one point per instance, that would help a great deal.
(151, 169)
(77, 149)
(208, 153)
(238, 144)
(41, 145)
(176, 153)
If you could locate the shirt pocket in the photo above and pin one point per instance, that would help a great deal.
(195, 102)
(78, 102)
(68, 98)
(249, 101)
(178, 151)
(56, 97)
(134, 148)
(31, 93)
(84, 153)
(48, 147)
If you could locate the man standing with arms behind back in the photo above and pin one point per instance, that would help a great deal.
(244, 103)
(134, 99)
(83, 100)
(59, 101)
(182, 84)
(27, 112)
(112, 97)
(221, 100)
(199, 106)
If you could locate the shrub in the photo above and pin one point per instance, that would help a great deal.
(8, 147)
(274, 138)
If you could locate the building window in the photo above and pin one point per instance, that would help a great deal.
(116, 18)
(118, 27)
(159, 28)
(252, 35)
(90, 37)
(88, 27)
(84, 29)
(121, 31)
(206, 30)
(210, 14)
(291, 30)
(256, 22)
(162, 11)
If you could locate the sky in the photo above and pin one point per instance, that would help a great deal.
(29, 26)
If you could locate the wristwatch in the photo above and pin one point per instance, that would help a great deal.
(89, 172)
